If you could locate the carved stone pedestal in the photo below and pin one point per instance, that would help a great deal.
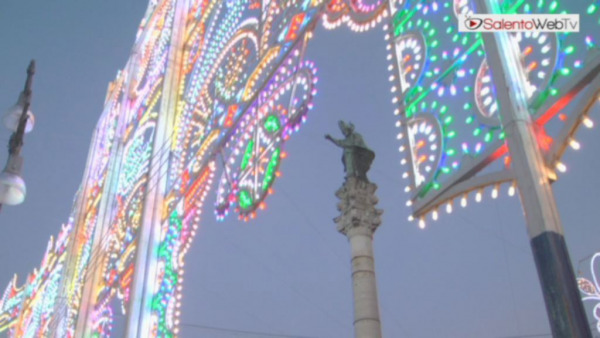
(358, 220)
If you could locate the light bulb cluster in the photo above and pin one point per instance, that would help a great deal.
(538, 56)
(428, 123)
(141, 101)
(463, 198)
(102, 319)
(573, 143)
(357, 15)
(434, 67)
(256, 148)
(25, 309)
(214, 116)
(589, 288)
(177, 235)
(169, 276)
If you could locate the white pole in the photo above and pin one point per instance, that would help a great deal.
(358, 221)
(142, 286)
(563, 304)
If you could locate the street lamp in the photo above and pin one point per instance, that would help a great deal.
(20, 120)
(13, 115)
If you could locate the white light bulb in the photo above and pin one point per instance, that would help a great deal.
(574, 144)
(511, 190)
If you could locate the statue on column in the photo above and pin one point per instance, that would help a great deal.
(358, 220)
(357, 157)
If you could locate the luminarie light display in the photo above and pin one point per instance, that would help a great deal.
(461, 105)
(451, 137)
(211, 88)
(590, 289)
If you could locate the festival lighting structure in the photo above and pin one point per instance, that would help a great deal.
(591, 289)
(448, 113)
(453, 142)
(212, 89)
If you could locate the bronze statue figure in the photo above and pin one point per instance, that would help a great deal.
(357, 157)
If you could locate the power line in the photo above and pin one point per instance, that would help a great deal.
(539, 334)
(277, 277)
(584, 259)
(308, 221)
(507, 266)
(529, 335)
(471, 223)
(223, 329)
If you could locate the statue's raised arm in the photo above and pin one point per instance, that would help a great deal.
(357, 157)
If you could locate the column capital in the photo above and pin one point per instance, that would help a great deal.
(358, 214)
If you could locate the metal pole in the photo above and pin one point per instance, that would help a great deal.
(559, 287)
(16, 140)
(14, 164)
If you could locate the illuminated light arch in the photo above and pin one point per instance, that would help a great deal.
(425, 133)
(257, 151)
(268, 59)
(559, 68)
(41, 289)
(357, 15)
(201, 82)
(590, 289)
(412, 53)
(539, 56)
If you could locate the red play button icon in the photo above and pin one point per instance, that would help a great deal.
(473, 23)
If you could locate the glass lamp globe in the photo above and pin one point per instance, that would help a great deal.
(13, 114)
(12, 189)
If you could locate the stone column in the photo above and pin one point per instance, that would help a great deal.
(358, 220)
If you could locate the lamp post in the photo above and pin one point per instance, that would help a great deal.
(20, 120)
